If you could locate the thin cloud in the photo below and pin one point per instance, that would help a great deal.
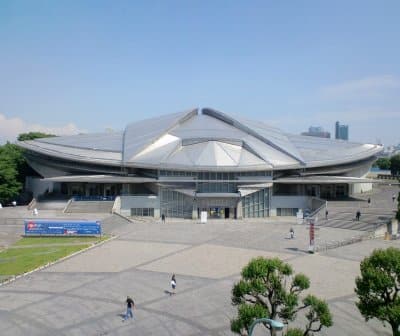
(369, 86)
(10, 128)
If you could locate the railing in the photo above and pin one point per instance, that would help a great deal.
(117, 205)
(67, 205)
(321, 206)
(388, 177)
(32, 204)
(335, 244)
(93, 198)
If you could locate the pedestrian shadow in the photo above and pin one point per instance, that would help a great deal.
(296, 249)
(121, 315)
(168, 292)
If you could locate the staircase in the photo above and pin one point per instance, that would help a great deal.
(51, 205)
(89, 207)
(342, 214)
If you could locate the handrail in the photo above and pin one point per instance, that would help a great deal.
(67, 205)
(32, 203)
(117, 205)
(318, 210)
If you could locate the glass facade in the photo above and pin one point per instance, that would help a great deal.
(142, 212)
(215, 187)
(256, 204)
(223, 176)
(286, 211)
(175, 204)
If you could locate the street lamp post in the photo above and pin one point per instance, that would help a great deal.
(275, 325)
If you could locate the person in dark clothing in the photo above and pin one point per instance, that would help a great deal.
(369, 201)
(130, 304)
(358, 215)
(326, 214)
(173, 284)
(163, 218)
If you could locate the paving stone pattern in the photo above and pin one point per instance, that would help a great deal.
(85, 295)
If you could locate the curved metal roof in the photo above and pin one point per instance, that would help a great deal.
(210, 140)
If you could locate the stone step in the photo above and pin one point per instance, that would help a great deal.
(90, 207)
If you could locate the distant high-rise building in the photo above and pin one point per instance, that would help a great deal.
(341, 131)
(317, 131)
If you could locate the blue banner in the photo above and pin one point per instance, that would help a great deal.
(61, 227)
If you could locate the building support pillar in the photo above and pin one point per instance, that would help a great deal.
(194, 210)
(239, 211)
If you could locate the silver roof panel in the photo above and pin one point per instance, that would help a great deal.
(210, 140)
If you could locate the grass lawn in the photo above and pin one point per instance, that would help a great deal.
(17, 261)
(31, 252)
(57, 240)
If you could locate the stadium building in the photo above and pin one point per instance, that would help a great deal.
(202, 160)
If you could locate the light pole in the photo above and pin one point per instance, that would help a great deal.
(275, 325)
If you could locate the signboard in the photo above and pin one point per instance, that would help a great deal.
(299, 216)
(203, 217)
(61, 227)
(312, 237)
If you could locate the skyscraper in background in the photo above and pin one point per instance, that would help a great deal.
(317, 131)
(341, 131)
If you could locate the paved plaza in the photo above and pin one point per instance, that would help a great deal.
(84, 295)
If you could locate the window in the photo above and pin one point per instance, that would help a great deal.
(256, 204)
(142, 212)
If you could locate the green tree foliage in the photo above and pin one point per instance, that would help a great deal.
(378, 287)
(269, 288)
(11, 160)
(294, 332)
(14, 168)
(395, 164)
(382, 163)
(33, 135)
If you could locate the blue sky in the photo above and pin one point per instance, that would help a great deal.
(86, 66)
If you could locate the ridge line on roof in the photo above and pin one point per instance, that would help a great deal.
(233, 122)
(189, 114)
(226, 153)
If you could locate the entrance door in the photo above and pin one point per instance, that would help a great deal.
(226, 212)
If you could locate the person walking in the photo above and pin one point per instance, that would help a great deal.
(326, 214)
(130, 304)
(291, 233)
(358, 215)
(393, 198)
(173, 284)
(369, 201)
(163, 218)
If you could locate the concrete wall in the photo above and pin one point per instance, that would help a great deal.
(359, 188)
(300, 202)
(128, 202)
(37, 186)
(361, 171)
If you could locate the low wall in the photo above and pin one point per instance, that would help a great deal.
(146, 201)
(289, 202)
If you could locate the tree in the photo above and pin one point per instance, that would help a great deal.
(395, 164)
(269, 288)
(382, 163)
(33, 135)
(14, 168)
(378, 287)
(10, 160)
